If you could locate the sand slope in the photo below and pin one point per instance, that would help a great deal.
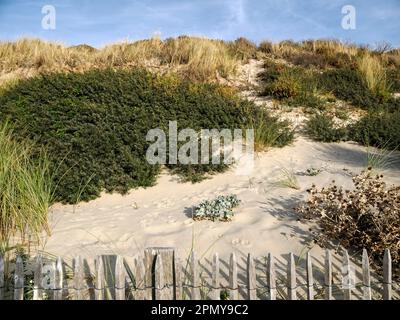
(161, 215)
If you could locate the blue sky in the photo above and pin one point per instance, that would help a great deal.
(98, 22)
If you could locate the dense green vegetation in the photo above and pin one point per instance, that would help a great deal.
(94, 125)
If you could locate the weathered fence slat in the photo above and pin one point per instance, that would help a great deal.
(346, 276)
(99, 280)
(19, 279)
(195, 280)
(79, 277)
(291, 277)
(178, 279)
(367, 294)
(160, 292)
(37, 279)
(120, 277)
(167, 259)
(233, 280)
(140, 283)
(215, 291)
(58, 280)
(328, 275)
(1, 277)
(310, 278)
(271, 277)
(387, 276)
(251, 278)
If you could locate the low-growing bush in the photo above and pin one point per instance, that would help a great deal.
(94, 125)
(322, 128)
(366, 217)
(378, 129)
(284, 87)
(218, 209)
(348, 85)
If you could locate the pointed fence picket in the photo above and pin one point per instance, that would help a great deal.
(159, 275)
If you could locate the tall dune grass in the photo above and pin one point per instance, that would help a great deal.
(373, 74)
(196, 58)
(25, 191)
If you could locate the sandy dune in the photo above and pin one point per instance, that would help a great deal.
(161, 215)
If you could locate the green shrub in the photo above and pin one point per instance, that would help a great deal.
(322, 128)
(94, 125)
(348, 85)
(286, 86)
(378, 129)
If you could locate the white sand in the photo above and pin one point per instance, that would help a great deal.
(160, 216)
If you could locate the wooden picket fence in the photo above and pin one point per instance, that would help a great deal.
(160, 275)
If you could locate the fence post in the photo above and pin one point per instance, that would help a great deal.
(195, 292)
(251, 278)
(387, 275)
(79, 278)
(215, 292)
(291, 275)
(1, 277)
(328, 275)
(19, 279)
(271, 277)
(310, 278)
(367, 295)
(119, 279)
(233, 283)
(346, 276)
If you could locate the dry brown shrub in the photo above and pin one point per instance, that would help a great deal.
(366, 217)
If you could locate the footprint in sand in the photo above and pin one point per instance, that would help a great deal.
(171, 219)
(188, 222)
(165, 203)
(241, 242)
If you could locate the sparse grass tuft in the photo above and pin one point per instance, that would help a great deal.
(288, 179)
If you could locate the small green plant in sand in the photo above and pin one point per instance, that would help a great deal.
(218, 209)
(312, 172)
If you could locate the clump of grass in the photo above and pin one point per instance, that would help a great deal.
(288, 179)
(380, 158)
(25, 191)
(270, 131)
(373, 74)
